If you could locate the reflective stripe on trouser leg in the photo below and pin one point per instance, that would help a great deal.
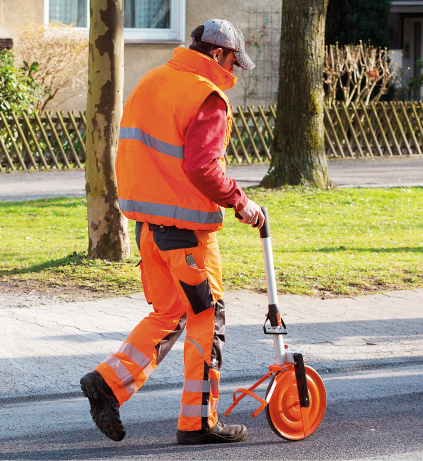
(200, 396)
(119, 368)
(127, 370)
(216, 358)
(203, 309)
(192, 385)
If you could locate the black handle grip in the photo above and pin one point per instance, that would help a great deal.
(265, 229)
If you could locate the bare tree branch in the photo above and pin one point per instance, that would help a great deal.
(357, 71)
(61, 51)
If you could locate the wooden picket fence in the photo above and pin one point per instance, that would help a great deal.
(46, 141)
(382, 129)
(57, 141)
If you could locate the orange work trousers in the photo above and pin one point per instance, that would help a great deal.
(181, 272)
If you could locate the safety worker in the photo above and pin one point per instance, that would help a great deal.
(170, 170)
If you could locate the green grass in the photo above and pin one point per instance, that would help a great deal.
(331, 243)
(340, 242)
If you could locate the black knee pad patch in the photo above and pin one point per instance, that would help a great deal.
(199, 296)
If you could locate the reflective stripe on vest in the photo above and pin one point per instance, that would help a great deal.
(172, 211)
(136, 134)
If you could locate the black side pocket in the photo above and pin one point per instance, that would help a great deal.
(145, 285)
(199, 296)
(172, 238)
(138, 229)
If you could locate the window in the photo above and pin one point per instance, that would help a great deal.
(73, 11)
(143, 19)
(147, 14)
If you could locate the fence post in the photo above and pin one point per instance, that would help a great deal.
(349, 132)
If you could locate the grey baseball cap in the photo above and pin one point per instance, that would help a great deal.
(223, 33)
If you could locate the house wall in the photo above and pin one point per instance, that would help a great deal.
(139, 58)
(15, 13)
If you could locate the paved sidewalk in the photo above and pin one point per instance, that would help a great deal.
(45, 349)
(373, 172)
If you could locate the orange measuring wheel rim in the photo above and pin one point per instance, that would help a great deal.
(284, 413)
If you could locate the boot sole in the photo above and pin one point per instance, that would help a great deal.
(102, 419)
(184, 439)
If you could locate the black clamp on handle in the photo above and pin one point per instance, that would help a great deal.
(270, 329)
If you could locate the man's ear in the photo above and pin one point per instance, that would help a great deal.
(216, 53)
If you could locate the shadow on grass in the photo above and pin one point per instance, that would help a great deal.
(341, 248)
(62, 202)
(74, 258)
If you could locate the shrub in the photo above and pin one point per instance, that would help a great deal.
(361, 73)
(18, 90)
(62, 54)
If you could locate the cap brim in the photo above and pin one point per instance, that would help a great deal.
(243, 60)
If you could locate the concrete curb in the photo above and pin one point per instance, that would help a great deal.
(365, 172)
(46, 349)
(224, 380)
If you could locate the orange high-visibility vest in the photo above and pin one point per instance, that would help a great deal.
(152, 185)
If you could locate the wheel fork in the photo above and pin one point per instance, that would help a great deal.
(274, 370)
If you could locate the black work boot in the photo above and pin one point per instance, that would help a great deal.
(104, 406)
(221, 433)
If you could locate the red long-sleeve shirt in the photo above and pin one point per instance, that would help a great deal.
(204, 140)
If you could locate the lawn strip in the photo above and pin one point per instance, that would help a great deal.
(326, 243)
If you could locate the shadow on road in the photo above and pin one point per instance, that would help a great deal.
(350, 430)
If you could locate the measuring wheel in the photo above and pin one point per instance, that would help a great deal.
(296, 397)
(285, 415)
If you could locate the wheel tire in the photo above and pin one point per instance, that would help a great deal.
(283, 412)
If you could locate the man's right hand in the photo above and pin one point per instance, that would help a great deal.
(251, 214)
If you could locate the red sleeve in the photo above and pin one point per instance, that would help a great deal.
(204, 141)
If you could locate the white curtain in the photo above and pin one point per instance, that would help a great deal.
(147, 14)
(69, 11)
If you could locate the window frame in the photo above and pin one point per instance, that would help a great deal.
(176, 32)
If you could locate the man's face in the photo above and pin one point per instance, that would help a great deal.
(227, 62)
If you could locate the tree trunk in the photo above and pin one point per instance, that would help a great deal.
(108, 228)
(298, 154)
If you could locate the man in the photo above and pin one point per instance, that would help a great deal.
(171, 179)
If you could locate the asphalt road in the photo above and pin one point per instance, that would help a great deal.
(373, 172)
(371, 415)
